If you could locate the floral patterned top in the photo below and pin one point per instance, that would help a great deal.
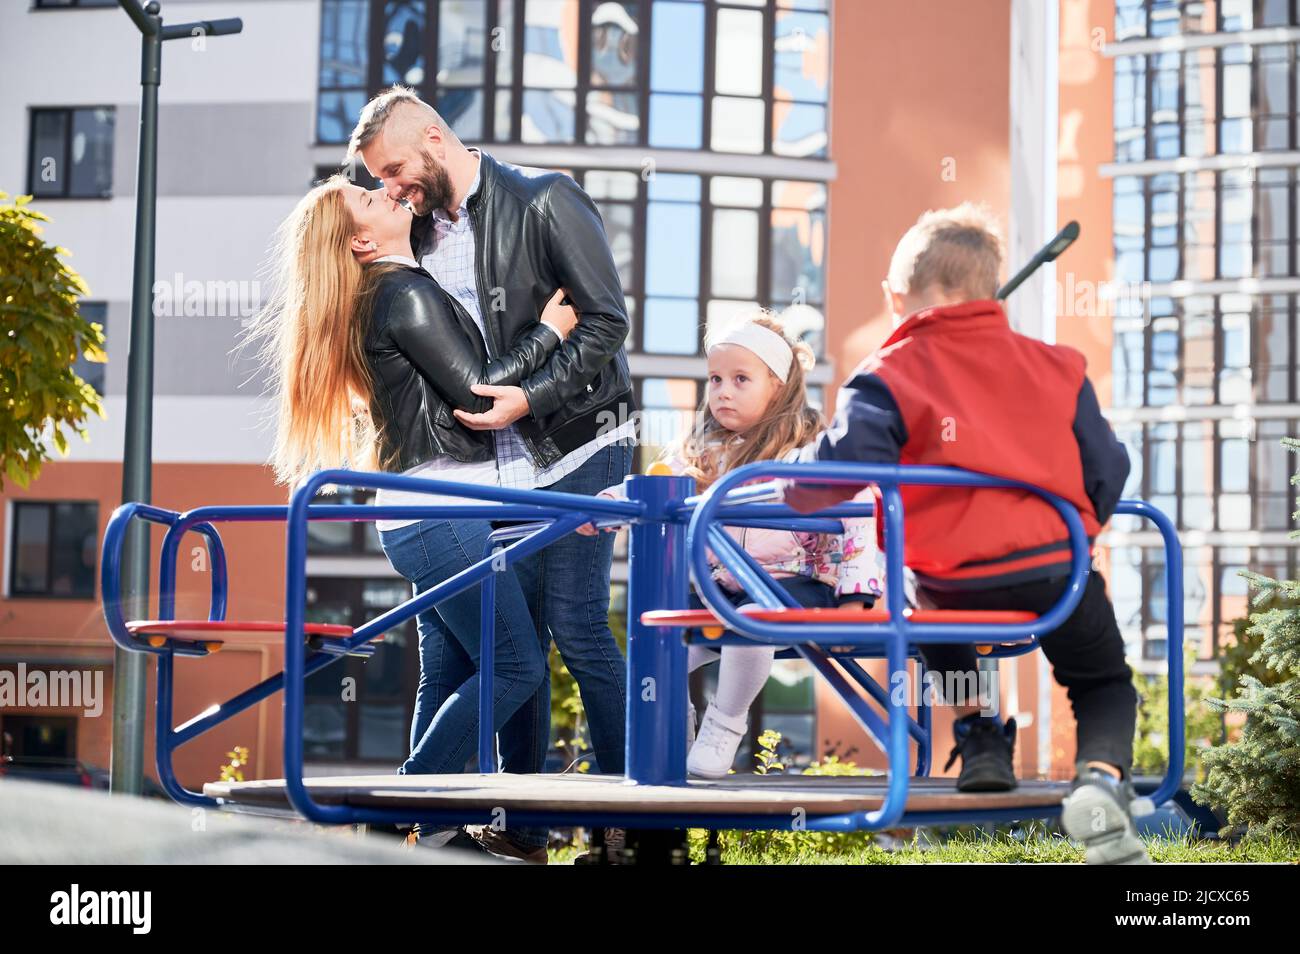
(851, 561)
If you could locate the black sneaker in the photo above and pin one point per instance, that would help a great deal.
(986, 749)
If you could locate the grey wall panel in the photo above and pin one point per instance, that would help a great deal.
(201, 358)
(221, 149)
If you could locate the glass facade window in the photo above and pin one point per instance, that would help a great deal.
(343, 81)
(1198, 350)
(1234, 99)
(694, 251)
(735, 76)
(1205, 350)
(801, 83)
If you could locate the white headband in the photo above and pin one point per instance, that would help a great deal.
(771, 347)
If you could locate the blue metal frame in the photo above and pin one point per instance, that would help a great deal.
(671, 532)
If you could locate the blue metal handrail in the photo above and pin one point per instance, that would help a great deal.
(889, 477)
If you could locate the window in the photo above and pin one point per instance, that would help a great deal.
(668, 407)
(801, 83)
(53, 548)
(32, 738)
(343, 79)
(356, 172)
(694, 251)
(71, 153)
(343, 537)
(737, 76)
(360, 710)
(92, 372)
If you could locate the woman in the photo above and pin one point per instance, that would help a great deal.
(369, 357)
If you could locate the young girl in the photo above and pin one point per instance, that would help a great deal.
(757, 408)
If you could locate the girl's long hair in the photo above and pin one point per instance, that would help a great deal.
(310, 336)
(710, 450)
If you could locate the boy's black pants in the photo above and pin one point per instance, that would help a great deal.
(1086, 653)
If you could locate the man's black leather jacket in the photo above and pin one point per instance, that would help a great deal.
(424, 352)
(536, 231)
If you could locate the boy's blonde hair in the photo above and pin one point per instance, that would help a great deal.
(710, 449)
(958, 251)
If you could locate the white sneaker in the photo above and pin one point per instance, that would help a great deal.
(690, 726)
(1098, 814)
(715, 746)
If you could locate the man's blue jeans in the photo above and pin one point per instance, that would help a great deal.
(444, 727)
(566, 586)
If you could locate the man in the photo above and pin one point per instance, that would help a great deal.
(502, 239)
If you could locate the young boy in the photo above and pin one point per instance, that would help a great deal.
(954, 385)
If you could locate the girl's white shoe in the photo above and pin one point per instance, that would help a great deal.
(715, 746)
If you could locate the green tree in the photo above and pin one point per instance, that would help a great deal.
(43, 333)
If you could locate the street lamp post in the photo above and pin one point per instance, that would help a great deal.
(127, 772)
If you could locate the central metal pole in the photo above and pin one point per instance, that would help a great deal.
(656, 656)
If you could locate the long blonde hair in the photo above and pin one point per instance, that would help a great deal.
(311, 337)
(710, 449)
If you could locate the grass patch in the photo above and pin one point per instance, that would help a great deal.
(1036, 844)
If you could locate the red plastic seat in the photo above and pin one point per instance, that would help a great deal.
(712, 627)
(211, 633)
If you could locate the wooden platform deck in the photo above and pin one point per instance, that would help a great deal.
(736, 795)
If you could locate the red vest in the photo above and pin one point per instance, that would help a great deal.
(975, 394)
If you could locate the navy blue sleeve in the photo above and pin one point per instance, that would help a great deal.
(867, 427)
(1105, 461)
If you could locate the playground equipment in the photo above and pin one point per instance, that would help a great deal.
(672, 531)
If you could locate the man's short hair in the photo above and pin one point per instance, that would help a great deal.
(956, 250)
(376, 114)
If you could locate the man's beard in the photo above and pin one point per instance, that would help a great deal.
(435, 185)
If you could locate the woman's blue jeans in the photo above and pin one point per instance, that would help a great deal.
(445, 725)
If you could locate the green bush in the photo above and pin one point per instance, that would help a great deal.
(1203, 725)
(43, 332)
